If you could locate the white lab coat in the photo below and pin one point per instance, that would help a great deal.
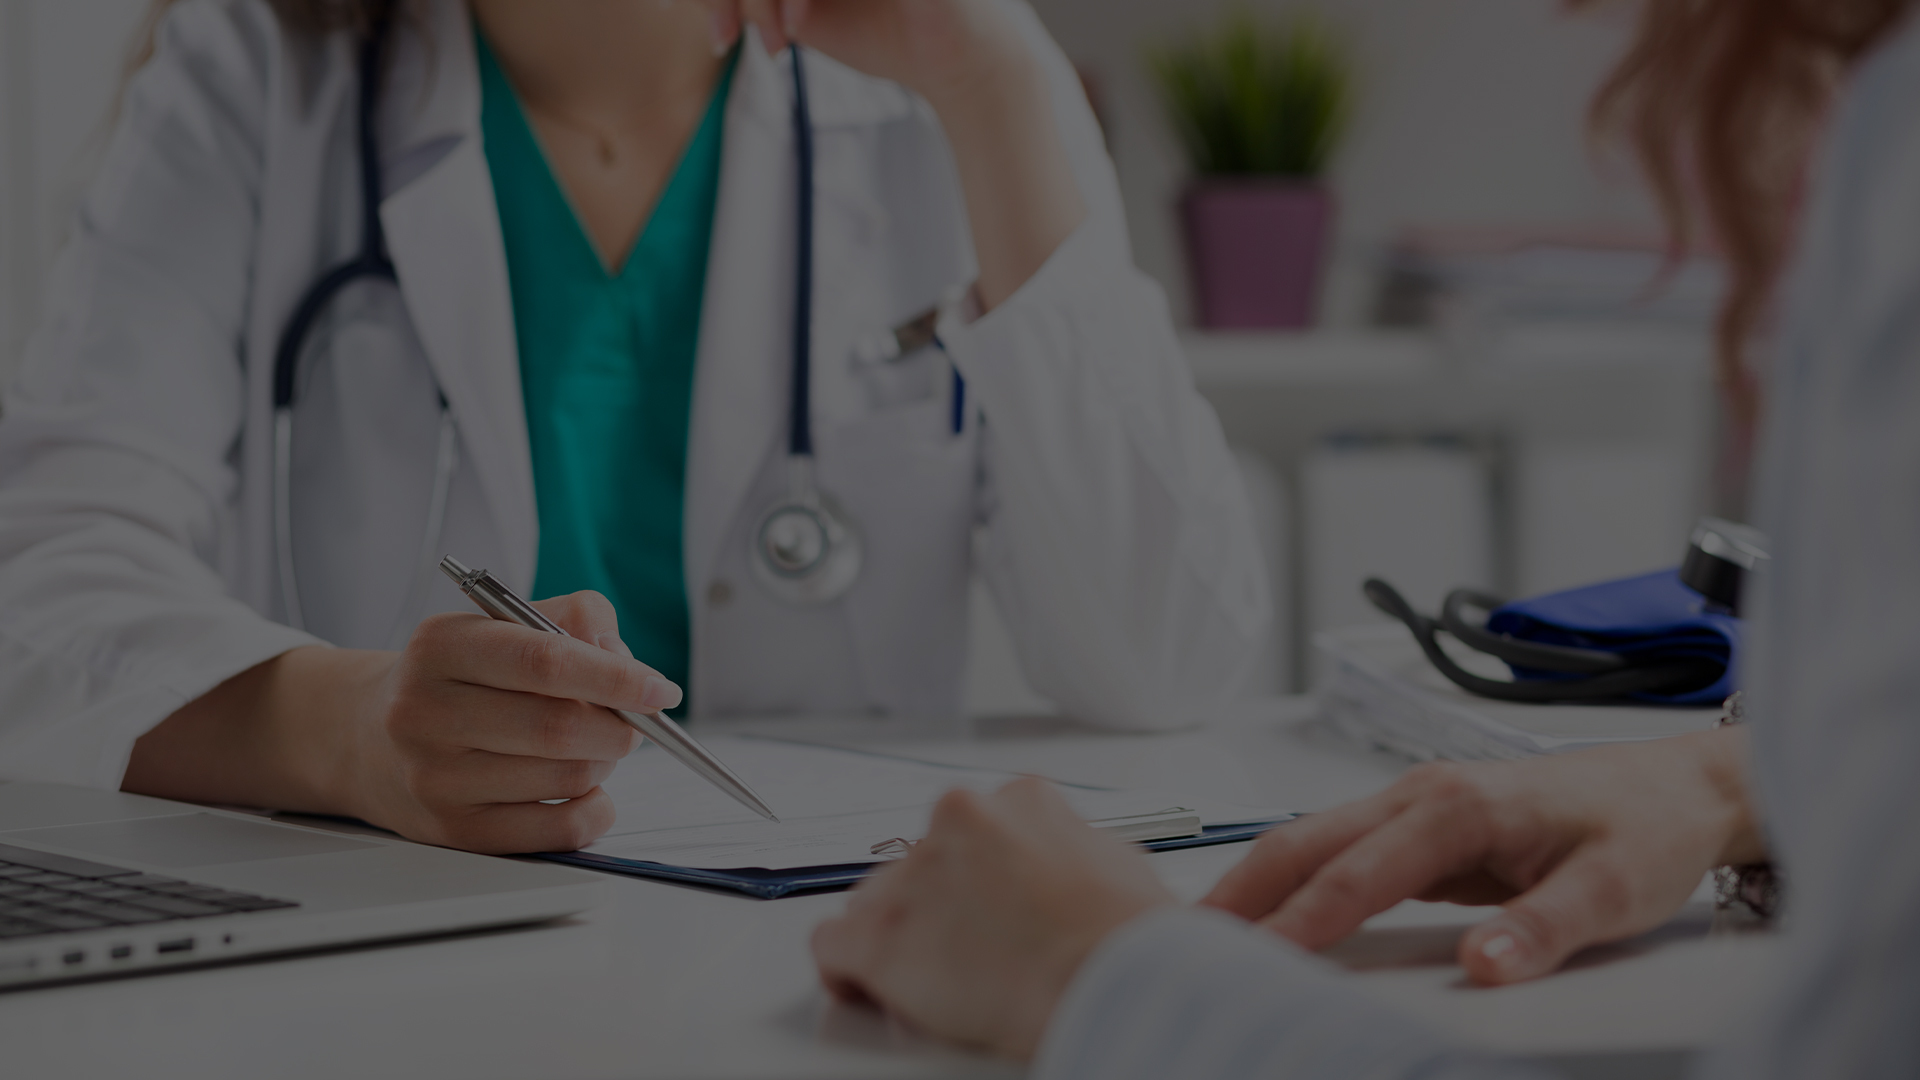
(137, 565)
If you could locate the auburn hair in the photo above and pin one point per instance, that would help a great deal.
(1720, 100)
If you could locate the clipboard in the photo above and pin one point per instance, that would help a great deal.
(803, 880)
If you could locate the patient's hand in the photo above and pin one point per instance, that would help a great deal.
(461, 739)
(1581, 849)
(976, 934)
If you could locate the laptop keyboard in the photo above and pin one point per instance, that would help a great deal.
(41, 893)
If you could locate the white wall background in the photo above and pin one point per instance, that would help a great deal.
(1469, 112)
(60, 64)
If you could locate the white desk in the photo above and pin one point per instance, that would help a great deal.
(675, 982)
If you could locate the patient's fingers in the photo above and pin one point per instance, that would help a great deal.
(1405, 857)
(1587, 899)
(1283, 859)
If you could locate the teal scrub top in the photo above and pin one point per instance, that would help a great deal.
(606, 370)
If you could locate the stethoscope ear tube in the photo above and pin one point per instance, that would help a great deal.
(1661, 677)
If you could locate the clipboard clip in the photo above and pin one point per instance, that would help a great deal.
(1172, 823)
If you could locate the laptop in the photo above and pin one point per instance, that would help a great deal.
(102, 882)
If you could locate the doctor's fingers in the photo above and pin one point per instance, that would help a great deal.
(486, 652)
(777, 20)
(465, 717)
(518, 828)
(588, 616)
(473, 778)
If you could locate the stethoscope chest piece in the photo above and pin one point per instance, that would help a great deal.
(805, 548)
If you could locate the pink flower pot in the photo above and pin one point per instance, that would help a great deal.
(1255, 246)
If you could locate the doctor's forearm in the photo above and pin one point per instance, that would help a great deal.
(478, 735)
(1020, 192)
(269, 736)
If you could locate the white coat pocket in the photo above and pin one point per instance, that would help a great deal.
(909, 483)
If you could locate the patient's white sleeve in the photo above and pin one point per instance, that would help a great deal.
(1200, 995)
(1834, 678)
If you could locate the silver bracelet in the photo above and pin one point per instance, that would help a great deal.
(1732, 711)
(1754, 885)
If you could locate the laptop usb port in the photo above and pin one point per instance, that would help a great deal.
(120, 952)
(74, 957)
(184, 944)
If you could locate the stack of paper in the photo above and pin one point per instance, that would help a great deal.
(1379, 688)
(835, 806)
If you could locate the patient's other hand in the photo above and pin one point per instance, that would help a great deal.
(1580, 849)
(975, 935)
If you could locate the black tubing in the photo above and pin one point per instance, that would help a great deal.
(1661, 677)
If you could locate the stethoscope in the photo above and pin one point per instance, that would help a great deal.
(805, 548)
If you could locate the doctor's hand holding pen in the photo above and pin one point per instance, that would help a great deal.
(977, 934)
(460, 739)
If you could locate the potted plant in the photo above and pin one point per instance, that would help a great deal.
(1260, 109)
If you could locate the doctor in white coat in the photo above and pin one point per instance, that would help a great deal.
(145, 614)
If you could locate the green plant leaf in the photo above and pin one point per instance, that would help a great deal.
(1252, 98)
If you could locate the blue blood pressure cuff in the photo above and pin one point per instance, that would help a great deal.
(1666, 638)
(1653, 619)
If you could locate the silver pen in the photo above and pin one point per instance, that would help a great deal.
(500, 602)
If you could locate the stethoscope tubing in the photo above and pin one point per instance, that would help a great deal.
(800, 406)
(1665, 676)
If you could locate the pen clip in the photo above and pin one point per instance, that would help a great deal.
(495, 598)
(1175, 822)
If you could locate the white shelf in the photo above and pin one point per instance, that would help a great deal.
(1310, 357)
(1361, 358)
(1279, 393)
